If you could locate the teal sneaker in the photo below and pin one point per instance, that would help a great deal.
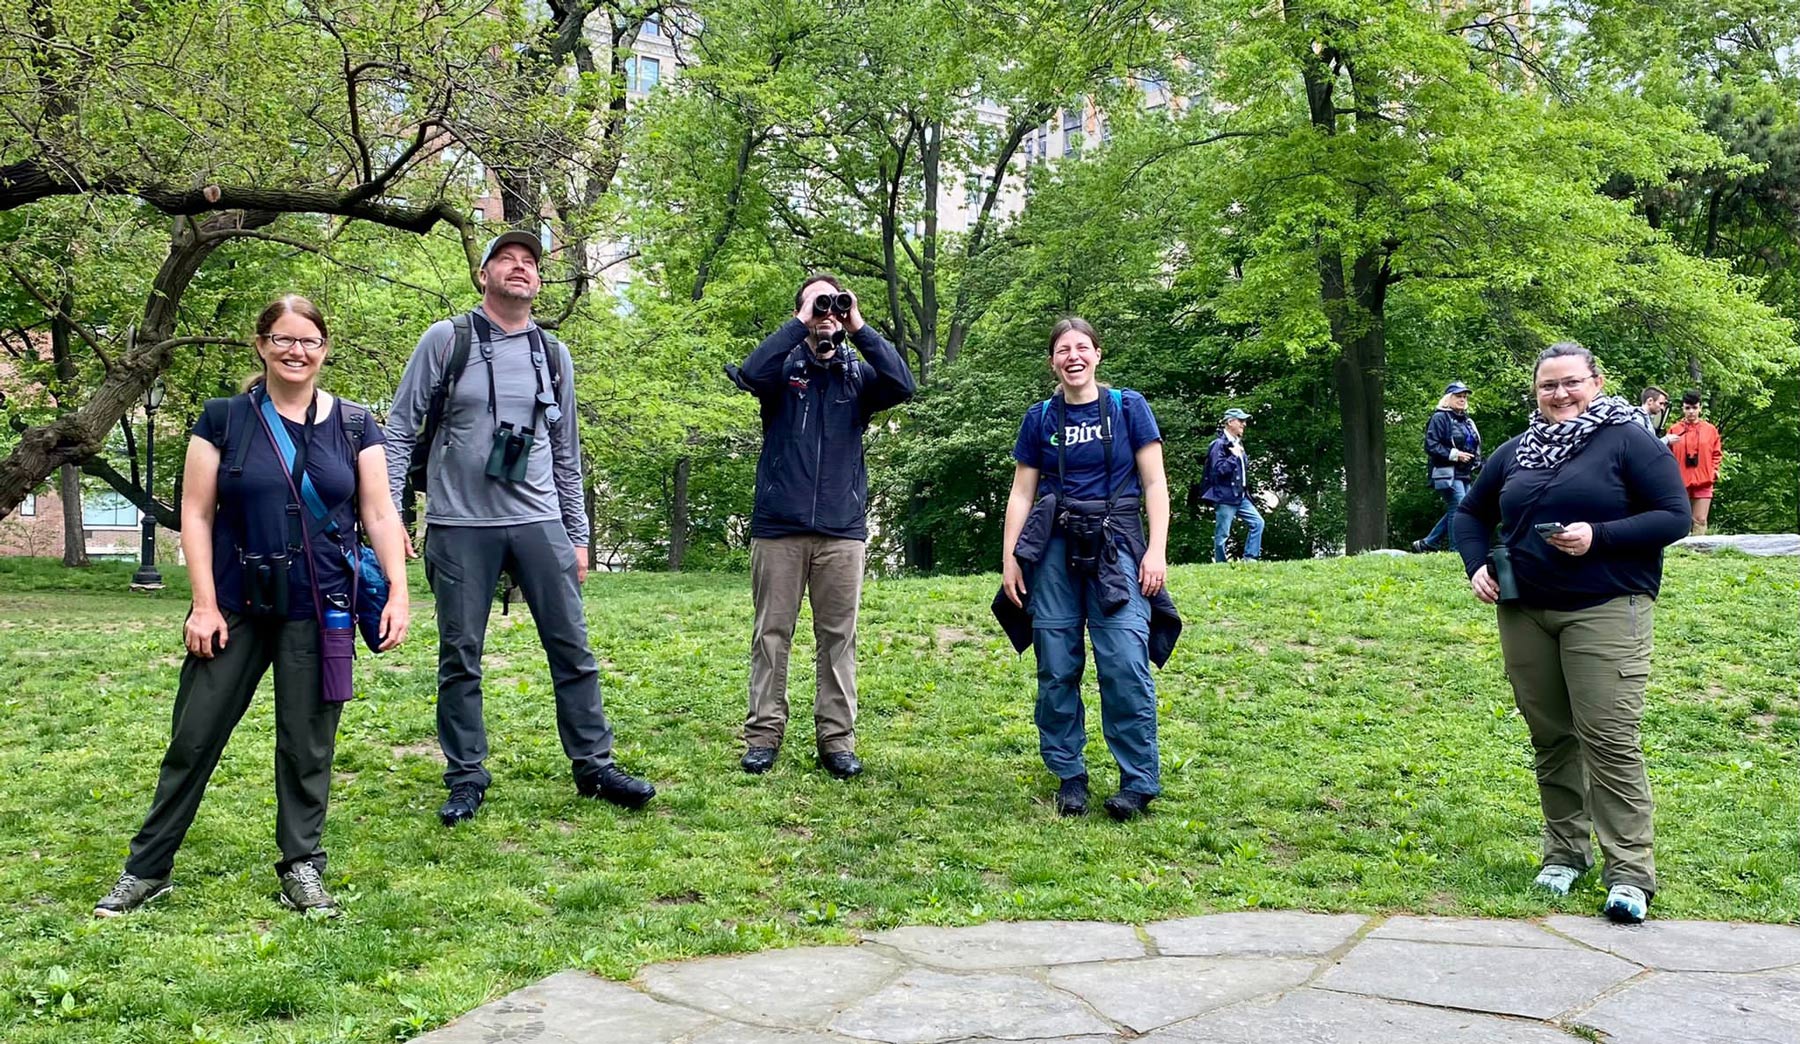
(1557, 879)
(1626, 904)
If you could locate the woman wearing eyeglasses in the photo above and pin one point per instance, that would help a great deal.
(1585, 500)
(262, 567)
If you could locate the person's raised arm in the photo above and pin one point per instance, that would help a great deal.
(761, 372)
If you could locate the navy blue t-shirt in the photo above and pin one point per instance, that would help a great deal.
(1084, 452)
(252, 516)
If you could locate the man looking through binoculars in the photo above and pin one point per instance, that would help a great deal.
(819, 378)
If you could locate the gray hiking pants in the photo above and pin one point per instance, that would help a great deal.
(463, 564)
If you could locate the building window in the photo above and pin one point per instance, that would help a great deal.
(974, 190)
(642, 74)
(109, 510)
(652, 28)
(28, 507)
(1071, 125)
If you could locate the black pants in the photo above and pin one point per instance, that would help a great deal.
(212, 699)
(463, 564)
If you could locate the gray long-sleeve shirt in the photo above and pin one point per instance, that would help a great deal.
(459, 493)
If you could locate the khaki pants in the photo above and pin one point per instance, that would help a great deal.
(830, 571)
(1578, 678)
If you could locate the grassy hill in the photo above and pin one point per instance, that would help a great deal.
(1337, 735)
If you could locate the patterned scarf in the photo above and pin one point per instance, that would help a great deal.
(1548, 446)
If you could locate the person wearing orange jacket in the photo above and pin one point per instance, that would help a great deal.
(1698, 451)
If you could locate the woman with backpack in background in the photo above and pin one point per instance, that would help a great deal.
(1452, 456)
(1078, 556)
(263, 566)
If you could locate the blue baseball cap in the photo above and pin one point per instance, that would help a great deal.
(1236, 414)
(1456, 388)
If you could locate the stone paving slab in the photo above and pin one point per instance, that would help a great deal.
(798, 989)
(1321, 1017)
(1255, 933)
(571, 1008)
(1334, 979)
(1471, 931)
(1705, 946)
(1143, 995)
(1014, 944)
(926, 1006)
(1506, 980)
(1702, 1008)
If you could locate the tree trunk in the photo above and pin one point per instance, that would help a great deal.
(678, 515)
(78, 434)
(931, 151)
(1356, 313)
(69, 482)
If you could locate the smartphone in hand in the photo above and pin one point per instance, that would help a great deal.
(1549, 529)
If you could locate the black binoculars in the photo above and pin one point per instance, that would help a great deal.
(1693, 460)
(510, 453)
(826, 304)
(1084, 537)
(266, 585)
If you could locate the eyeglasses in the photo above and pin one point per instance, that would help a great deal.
(1569, 385)
(286, 341)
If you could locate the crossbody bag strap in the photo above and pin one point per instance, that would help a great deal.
(285, 447)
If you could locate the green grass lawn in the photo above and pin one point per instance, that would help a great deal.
(1336, 735)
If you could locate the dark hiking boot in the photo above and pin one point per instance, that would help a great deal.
(614, 784)
(758, 760)
(1072, 796)
(1128, 804)
(843, 764)
(464, 801)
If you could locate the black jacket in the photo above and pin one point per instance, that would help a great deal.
(1115, 583)
(811, 477)
(1623, 482)
(1448, 430)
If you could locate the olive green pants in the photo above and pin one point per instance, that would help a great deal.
(1578, 678)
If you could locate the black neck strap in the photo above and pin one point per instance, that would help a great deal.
(1106, 440)
(484, 331)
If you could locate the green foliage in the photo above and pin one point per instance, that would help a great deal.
(1335, 736)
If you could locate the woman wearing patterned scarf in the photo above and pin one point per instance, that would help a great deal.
(1586, 499)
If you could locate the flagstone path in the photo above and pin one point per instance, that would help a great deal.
(1232, 978)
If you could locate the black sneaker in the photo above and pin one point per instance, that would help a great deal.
(758, 760)
(614, 784)
(1128, 804)
(841, 763)
(1420, 547)
(302, 890)
(465, 799)
(131, 892)
(1072, 796)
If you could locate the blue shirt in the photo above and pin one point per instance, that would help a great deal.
(1084, 453)
(253, 506)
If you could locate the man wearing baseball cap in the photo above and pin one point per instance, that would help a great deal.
(484, 423)
(1452, 456)
(1227, 487)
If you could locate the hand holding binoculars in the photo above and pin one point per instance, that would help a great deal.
(838, 304)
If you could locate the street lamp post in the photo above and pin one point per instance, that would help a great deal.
(147, 578)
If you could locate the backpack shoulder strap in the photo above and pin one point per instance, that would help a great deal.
(459, 349)
(241, 407)
(553, 356)
(356, 423)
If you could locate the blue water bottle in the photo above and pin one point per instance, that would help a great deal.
(337, 649)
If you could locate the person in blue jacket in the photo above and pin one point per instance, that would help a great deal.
(1453, 456)
(820, 379)
(1096, 455)
(1228, 487)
